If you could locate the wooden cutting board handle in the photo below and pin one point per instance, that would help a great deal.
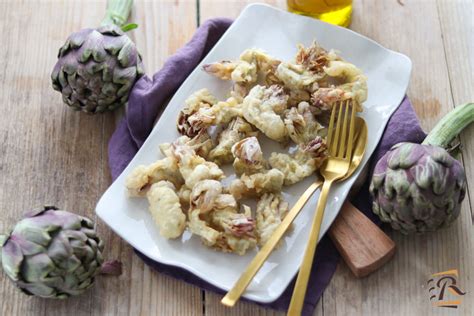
(362, 244)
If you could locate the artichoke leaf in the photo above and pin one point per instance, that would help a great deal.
(28, 248)
(110, 29)
(109, 89)
(76, 39)
(60, 249)
(124, 75)
(12, 257)
(37, 267)
(115, 44)
(31, 231)
(93, 46)
(404, 157)
(126, 56)
(36, 289)
(441, 156)
(396, 183)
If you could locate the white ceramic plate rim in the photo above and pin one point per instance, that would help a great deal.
(104, 211)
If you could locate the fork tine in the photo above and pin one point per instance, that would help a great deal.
(343, 140)
(330, 136)
(337, 131)
(350, 142)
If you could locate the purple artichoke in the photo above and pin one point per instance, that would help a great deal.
(418, 188)
(97, 68)
(54, 254)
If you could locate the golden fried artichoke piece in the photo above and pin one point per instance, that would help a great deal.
(202, 144)
(222, 70)
(221, 112)
(257, 184)
(194, 168)
(307, 74)
(266, 65)
(184, 194)
(238, 231)
(201, 228)
(302, 125)
(215, 218)
(303, 163)
(314, 58)
(239, 92)
(230, 243)
(263, 106)
(271, 210)
(248, 156)
(296, 77)
(226, 111)
(245, 73)
(142, 177)
(199, 100)
(237, 71)
(295, 97)
(237, 130)
(166, 209)
(354, 86)
(253, 65)
(203, 199)
(204, 195)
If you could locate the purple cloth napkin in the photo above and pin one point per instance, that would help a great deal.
(149, 96)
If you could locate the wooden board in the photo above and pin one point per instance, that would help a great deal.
(50, 154)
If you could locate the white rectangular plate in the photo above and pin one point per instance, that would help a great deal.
(277, 32)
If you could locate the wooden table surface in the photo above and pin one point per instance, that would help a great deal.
(50, 154)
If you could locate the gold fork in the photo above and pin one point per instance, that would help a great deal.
(340, 142)
(360, 141)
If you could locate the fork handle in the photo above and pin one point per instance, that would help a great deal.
(239, 287)
(299, 292)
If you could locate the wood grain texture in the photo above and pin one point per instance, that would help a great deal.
(459, 48)
(142, 290)
(399, 288)
(364, 247)
(49, 154)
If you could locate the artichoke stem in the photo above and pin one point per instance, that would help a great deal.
(117, 12)
(111, 267)
(450, 126)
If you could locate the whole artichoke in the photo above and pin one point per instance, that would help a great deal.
(97, 68)
(418, 188)
(53, 254)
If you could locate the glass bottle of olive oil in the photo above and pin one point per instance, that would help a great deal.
(332, 11)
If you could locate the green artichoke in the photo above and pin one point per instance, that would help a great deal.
(54, 254)
(418, 188)
(97, 68)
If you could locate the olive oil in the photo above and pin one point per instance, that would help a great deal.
(332, 11)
